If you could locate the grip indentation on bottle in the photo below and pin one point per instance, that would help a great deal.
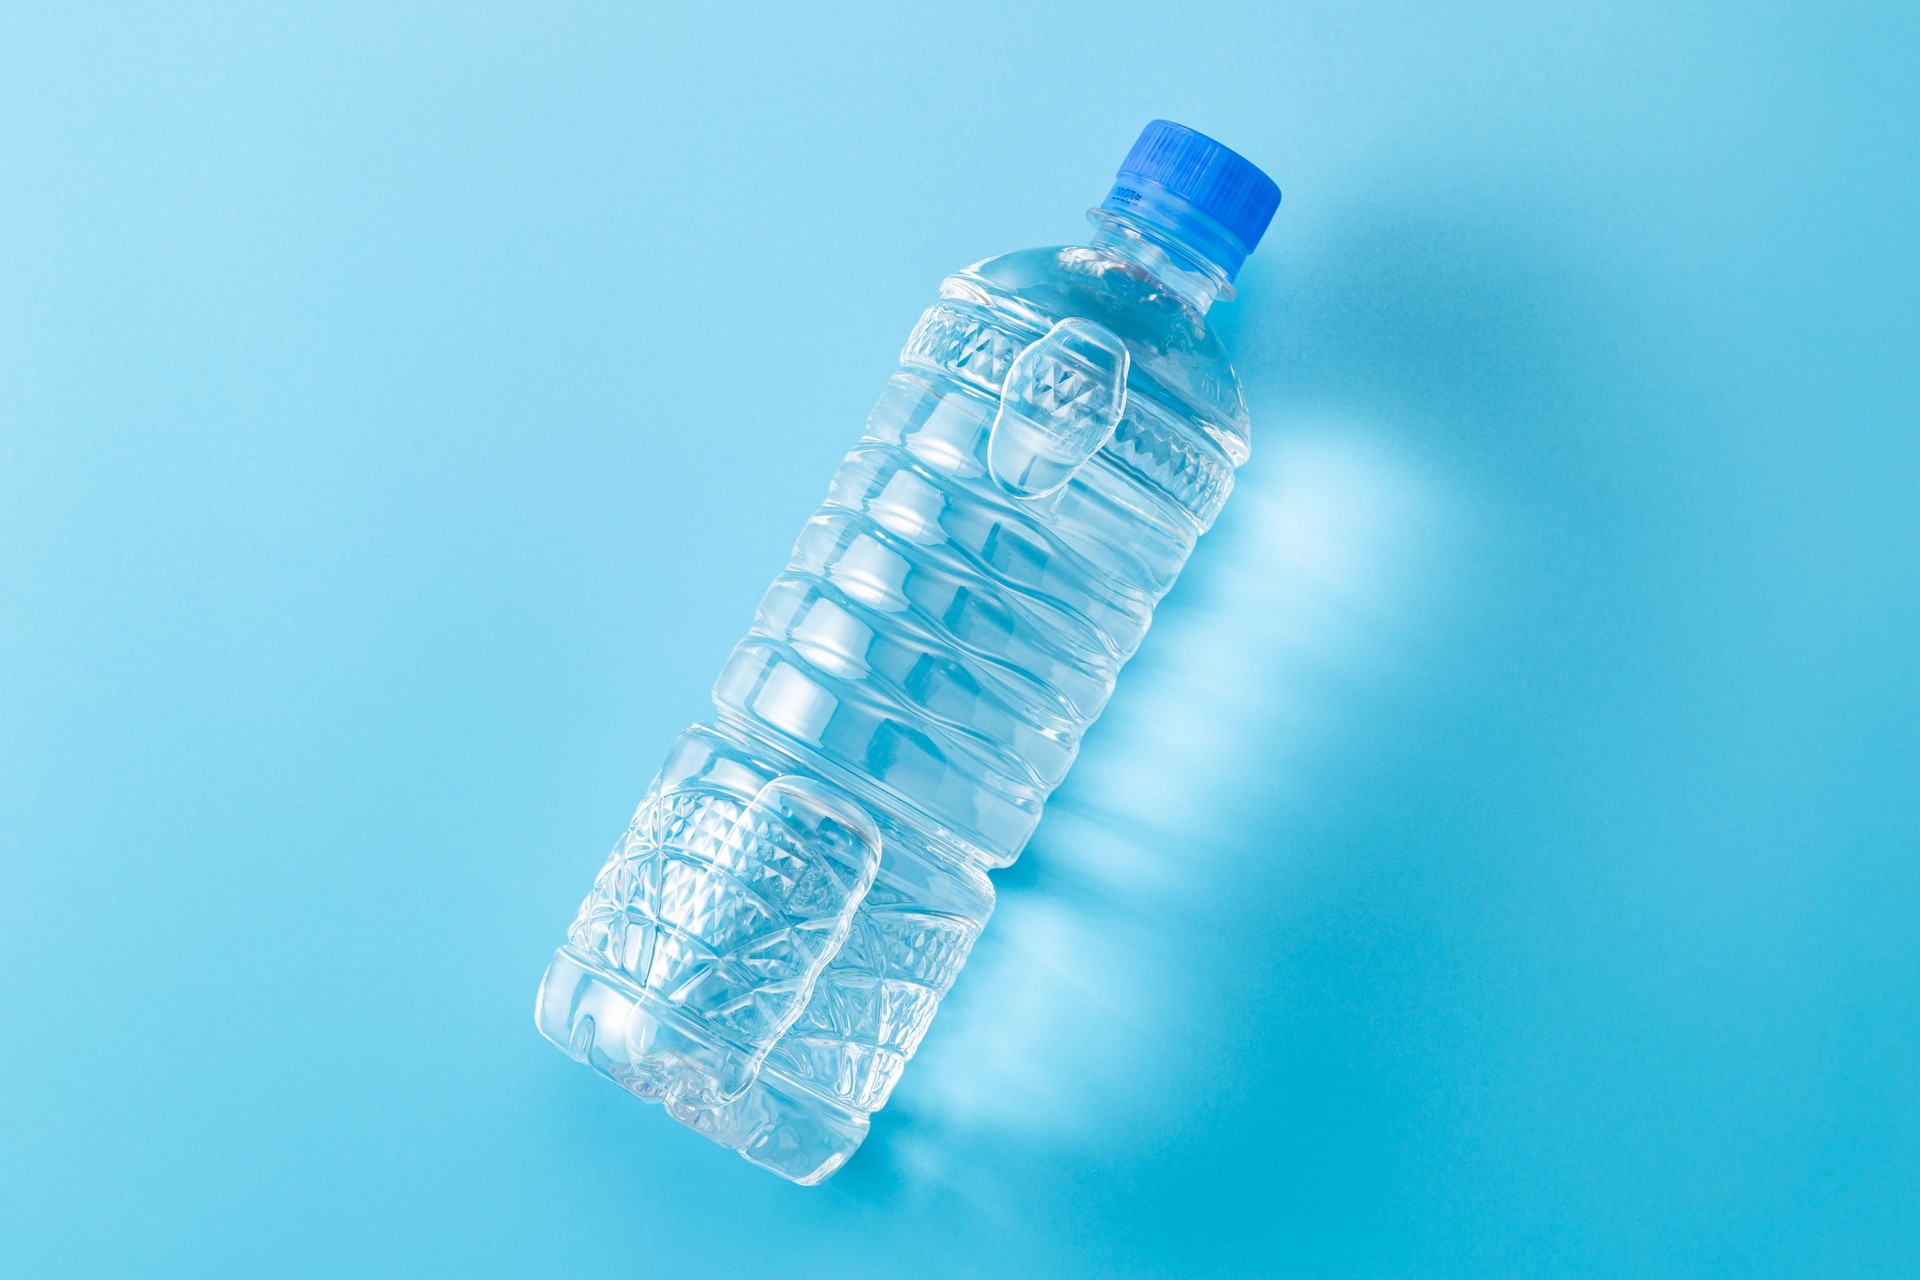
(1062, 399)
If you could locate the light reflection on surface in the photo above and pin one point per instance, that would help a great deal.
(1297, 605)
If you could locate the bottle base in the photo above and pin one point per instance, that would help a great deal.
(606, 1022)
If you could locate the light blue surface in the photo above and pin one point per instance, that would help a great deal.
(399, 415)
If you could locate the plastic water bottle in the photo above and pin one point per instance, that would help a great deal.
(770, 938)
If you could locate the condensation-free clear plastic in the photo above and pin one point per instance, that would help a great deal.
(773, 933)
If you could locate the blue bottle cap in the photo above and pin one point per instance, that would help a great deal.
(1210, 196)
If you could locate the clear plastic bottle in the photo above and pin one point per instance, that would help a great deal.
(769, 940)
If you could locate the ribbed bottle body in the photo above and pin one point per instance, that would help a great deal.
(915, 684)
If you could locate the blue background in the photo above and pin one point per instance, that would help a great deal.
(1503, 859)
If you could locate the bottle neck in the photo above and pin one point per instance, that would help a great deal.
(1171, 262)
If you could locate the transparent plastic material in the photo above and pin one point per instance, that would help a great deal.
(771, 937)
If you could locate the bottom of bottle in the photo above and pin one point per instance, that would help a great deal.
(611, 1025)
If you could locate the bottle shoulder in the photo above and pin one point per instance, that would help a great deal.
(1177, 359)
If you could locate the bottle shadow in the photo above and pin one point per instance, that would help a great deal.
(1141, 947)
